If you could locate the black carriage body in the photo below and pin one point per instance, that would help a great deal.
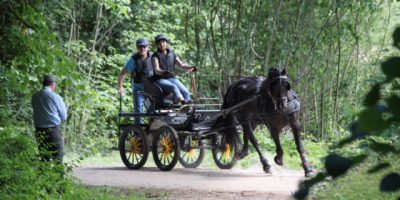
(197, 121)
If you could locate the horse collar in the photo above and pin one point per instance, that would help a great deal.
(292, 107)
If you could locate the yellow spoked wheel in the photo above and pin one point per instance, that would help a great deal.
(224, 150)
(133, 147)
(192, 153)
(166, 148)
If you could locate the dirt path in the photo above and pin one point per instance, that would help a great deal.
(200, 183)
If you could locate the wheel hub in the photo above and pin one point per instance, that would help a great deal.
(227, 152)
(135, 145)
(166, 145)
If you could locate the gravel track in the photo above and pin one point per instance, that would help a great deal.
(200, 183)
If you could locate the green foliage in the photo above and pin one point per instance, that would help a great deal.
(377, 131)
(86, 43)
(24, 176)
(330, 49)
(359, 182)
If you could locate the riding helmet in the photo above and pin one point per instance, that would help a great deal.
(161, 37)
(142, 42)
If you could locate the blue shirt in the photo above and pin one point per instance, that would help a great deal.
(48, 109)
(131, 66)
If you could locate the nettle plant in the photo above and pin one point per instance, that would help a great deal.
(379, 119)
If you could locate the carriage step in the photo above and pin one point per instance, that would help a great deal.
(201, 128)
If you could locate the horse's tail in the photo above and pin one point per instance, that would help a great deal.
(226, 125)
(224, 120)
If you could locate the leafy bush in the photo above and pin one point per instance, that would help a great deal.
(24, 176)
(376, 132)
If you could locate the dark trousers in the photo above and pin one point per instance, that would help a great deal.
(50, 143)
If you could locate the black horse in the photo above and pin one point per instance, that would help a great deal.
(274, 105)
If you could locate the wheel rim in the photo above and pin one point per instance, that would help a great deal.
(133, 147)
(166, 148)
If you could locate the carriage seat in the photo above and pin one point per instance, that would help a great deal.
(158, 96)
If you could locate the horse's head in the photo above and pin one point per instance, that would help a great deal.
(277, 87)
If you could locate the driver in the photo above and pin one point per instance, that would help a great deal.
(138, 65)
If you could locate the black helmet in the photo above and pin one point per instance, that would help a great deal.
(142, 42)
(161, 37)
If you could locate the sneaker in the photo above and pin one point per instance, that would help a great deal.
(181, 100)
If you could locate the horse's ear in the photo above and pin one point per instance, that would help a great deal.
(284, 71)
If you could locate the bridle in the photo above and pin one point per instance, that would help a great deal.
(280, 78)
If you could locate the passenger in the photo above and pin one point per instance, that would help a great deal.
(164, 61)
(138, 65)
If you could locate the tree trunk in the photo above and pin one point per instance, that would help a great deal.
(337, 96)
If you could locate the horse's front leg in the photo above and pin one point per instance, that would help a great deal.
(279, 151)
(249, 131)
(296, 127)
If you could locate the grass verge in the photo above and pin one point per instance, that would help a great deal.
(358, 183)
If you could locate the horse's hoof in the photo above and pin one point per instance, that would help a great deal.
(267, 169)
(278, 160)
(309, 173)
(266, 166)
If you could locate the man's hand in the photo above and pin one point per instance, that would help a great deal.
(121, 91)
(193, 69)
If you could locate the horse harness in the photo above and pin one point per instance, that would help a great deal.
(292, 107)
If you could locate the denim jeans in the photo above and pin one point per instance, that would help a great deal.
(174, 85)
(138, 105)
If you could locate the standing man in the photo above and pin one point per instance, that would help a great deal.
(138, 65)
(164, 60)
(48, 112)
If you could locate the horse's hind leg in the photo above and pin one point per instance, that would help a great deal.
(279, 151)
(245, 148)
(296, 126)
(249, 131)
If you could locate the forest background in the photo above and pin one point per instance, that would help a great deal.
(332, 50)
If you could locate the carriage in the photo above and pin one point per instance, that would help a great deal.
(173, 133)
(182, 133)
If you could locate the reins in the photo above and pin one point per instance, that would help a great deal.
(292, 107)
(231, 110)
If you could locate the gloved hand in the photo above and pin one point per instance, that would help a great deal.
(168, 73)
(193, 69)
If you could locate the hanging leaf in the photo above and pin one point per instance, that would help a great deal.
(382, 148)
(337, 165)
(373, 95)
(379, 167)
(305, 186)
(391, 68)
(396, 38)
(371, 120)
(356, 133)
(394, 106)
(390, 183)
